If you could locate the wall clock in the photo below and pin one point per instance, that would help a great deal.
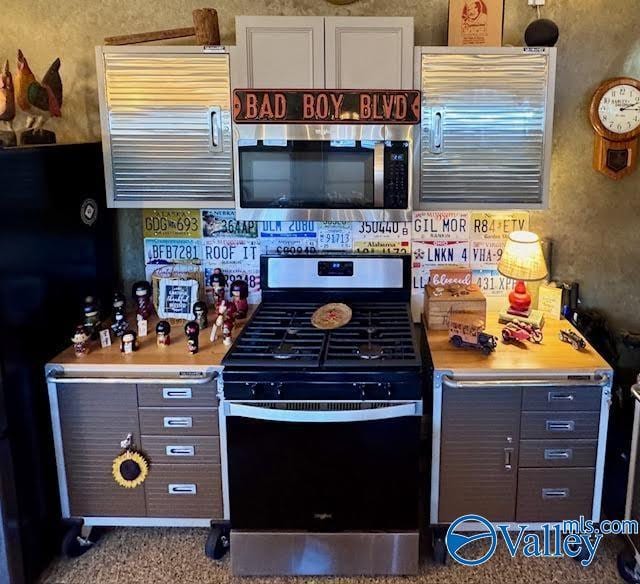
(615, 117)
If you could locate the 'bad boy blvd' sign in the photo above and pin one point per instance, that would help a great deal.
(325, 106)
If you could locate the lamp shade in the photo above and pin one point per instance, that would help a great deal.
(522, 257)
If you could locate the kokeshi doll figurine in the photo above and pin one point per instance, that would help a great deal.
(142, 296)
(218, 282)
(200, 314)
(192, 330)
(163, 334)
(118, 305)
(228, 323)
(119, 325)
(129, 342)
(79, 341)
(91, 317)
(239, 294)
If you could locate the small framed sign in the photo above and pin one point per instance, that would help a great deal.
(176, 298)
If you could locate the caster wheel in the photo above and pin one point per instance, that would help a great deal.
(74, 545)
(439, 551)
(627, 568)
(217, 544)
(583, 552)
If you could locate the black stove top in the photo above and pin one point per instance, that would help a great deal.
(379, 335)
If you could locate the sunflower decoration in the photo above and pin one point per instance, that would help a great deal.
(130, 468)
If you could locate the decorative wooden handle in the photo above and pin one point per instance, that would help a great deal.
(205, 28)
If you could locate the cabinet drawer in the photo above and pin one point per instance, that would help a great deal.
(564, 425)
(182, 449)
(179, 421)
(586, 399)
(178, 396)
(557, 453)
(554, 494)
(184, 490)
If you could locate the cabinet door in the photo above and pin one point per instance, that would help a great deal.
(479, 453)
(369, 53)
(94, 419)
(279, 52)
(486, 127)
(166, 126)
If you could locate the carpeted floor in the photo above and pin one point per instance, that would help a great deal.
(158, 556)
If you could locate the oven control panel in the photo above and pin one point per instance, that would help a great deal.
(396, 175)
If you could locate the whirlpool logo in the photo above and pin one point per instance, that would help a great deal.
(458, 544)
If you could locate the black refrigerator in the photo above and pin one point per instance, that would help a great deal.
(57, 245)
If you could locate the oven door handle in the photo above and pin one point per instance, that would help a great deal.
(274, 415)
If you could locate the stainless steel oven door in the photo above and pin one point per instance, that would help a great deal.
(323, 172)
(323, 466)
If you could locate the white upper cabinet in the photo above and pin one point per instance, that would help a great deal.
(368, 52)
(279, 52)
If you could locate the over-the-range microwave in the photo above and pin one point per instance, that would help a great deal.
(333, 172)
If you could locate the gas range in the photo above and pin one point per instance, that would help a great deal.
(312, 419)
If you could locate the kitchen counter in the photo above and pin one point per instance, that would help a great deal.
(551, 354)
(149, 354)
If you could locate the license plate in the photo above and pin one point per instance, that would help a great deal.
(166, 251)
(492, 283)
(173, 223)
(229, 249)
(282, 229)
(334, 236)
(435, 253)
(497, 225)
(432, 225)
(486, 254)
(289, 245)
(223, 222)
(381, 230)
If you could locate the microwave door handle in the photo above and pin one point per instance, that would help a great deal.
(378, 175)
(275, 415)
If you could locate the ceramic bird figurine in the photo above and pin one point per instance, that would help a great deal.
(39, 100)
(7, 97)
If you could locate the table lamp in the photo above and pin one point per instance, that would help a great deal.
(522, 260)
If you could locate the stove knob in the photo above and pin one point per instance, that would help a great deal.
(279, 387)
(254, 388)
(361, 389)
(388, 388)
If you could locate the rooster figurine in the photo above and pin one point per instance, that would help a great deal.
(7, 107)
(39, 100)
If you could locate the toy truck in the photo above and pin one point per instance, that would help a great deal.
(467, 330)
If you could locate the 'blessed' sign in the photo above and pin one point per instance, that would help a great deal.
(325, 106)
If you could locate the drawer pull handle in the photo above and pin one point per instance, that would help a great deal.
(561, 396)
(180, 450)
(180, 489)
(175, 422)
(508, 452)
(560, 426)
(558, 453)
(176, 392)
(555, 493)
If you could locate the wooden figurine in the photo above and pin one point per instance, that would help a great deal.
(119, 325)
(142, 296)
(225, 320)
(239, 294)
(200, 314)
(79, 341)
(91, 317)
(129, 342)
(118, 304)
(218, 282)
(163, 334)
(192, 330)
(39, 100)
(7, 108)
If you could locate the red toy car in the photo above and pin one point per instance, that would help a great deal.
(518, 330)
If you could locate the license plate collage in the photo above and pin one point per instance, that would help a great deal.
(215, 238)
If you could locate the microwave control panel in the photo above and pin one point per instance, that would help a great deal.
(396, 175)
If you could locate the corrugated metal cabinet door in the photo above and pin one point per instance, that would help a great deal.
(486, 129)
(166, 126)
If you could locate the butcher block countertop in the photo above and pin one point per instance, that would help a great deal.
(149, 355)
(550, 355)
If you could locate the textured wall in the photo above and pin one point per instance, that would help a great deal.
(594, 222)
